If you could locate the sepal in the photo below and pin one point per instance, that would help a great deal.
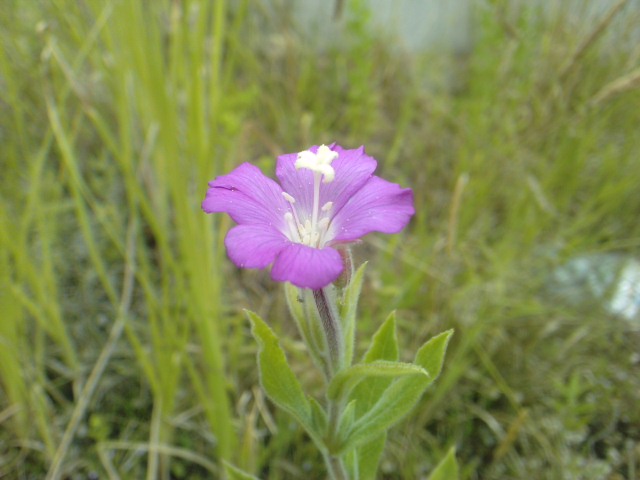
(302, 310)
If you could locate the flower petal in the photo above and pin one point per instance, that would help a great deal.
(379, 206)
(248, 196)
(254, 246)
(352, 169)
(297, 183)
(307, 267)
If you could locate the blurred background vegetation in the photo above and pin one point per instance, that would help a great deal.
(124, 352)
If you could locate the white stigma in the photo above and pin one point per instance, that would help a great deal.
(319, 162)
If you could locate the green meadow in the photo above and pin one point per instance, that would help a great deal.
(125, 351)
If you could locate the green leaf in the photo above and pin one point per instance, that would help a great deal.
(431, 354)
(346, 420)
(402, 395)
(276, 377)
(348, 311)
(369, 454)
(395, 402)
(342, 384)
(234, 473)
(447, 469)
(384, 344)
(318, 417)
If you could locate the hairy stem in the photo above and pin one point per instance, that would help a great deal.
(335, 467)
(331, 325)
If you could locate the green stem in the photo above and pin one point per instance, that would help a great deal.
(335, 467)
(331, 325)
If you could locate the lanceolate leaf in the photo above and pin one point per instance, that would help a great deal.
(318, 417)
(384, 346)
(234, 473)
(369, 454)
(402, 395)
(348, 310)
(277, 378)
(346, 420)
(431, 354)
(347, 379)
(447, 469)
(396, 401)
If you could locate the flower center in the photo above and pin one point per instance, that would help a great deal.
(312, 231)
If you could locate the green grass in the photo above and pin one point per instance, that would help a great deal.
(123, 347)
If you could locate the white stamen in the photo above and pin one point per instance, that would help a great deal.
(327, 206)
(323, 228)
(316, 200)
(293, 225)
(288, 198)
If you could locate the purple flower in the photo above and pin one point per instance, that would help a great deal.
(327, 196)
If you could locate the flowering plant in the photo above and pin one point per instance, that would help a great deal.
(328, 198)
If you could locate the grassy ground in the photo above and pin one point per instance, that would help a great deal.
(124, 350)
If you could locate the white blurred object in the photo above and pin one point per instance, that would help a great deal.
(608, 279)
(415, 25)
(626, 297)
